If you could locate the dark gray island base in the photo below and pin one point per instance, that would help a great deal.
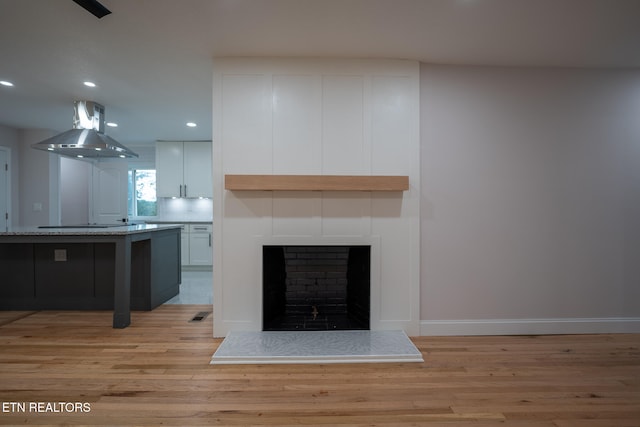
(122, 268)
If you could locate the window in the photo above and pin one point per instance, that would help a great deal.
(142, 199)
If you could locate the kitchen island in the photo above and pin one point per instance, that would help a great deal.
(123, 268)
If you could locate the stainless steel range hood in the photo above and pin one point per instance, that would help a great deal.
(87, 138)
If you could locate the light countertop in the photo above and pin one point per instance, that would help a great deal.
(179, 222)
(86, 231)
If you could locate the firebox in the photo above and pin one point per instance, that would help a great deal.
(316, 287)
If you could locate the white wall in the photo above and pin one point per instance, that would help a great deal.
(75, 182)
(530, 200)
(38, 181)
(285, 116)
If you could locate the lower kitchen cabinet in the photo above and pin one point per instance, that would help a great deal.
(82, 275)
(184, 245)
(16, 271)
(200, 248)
(196, 245)
(64, 270)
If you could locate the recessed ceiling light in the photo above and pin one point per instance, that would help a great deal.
(90, 84)
(191, 124)
(6, 83)
(112, 124)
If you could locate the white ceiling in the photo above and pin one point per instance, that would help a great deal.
(152, 59)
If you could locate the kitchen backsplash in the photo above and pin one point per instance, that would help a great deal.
(185, 209)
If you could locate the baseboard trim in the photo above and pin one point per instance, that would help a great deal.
(608, 325)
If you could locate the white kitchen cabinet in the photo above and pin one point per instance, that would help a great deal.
(184, 245)
(183, 169)
(198, 181)
(169, 168)
(196, 245)
(200, 248)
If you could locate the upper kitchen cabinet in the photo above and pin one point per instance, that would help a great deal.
(183, 169)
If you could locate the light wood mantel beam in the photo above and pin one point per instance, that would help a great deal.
(316, 183)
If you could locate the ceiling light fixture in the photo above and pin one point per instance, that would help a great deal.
(191, 124)
(112, 124)
(6, 83)
(89, 84)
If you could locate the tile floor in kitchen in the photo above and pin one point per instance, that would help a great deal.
(196, 288)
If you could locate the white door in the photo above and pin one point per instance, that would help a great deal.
(109, 192)
(5, 194)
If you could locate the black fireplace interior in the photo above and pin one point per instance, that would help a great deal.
(316, 287)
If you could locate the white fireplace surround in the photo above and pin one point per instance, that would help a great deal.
(321, 117)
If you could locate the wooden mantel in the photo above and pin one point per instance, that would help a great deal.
(316, 183)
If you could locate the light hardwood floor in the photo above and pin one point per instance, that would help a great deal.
(157, 372)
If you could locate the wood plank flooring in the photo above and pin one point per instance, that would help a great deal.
(157, 372)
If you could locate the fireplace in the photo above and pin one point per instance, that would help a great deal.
(349, 118)
(316, 287)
